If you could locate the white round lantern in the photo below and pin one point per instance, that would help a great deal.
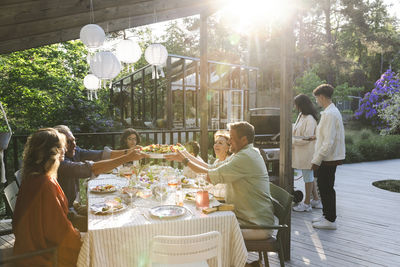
(156, 54)
(105, 65)
(91, 82)
(92, 35)
(128, 51)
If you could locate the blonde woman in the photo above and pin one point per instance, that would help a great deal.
(40, 218)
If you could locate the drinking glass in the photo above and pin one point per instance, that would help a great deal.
(201, 180)
(161, 190)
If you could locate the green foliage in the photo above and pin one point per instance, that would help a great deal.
(308, 82)
(391, 114)
(368, 146)
(44, 87)
(365, 134)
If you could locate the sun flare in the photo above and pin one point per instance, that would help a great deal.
(245, 14)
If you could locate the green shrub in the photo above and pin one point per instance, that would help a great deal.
(349, 139)
(352, 154)
(365, 134)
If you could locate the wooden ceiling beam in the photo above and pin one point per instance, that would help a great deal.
(115, 18)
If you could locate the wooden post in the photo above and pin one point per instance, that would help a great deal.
(203, 87)
(286, 104)
(169, 95)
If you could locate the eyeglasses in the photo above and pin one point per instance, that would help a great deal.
(131, 139)
(71, 141)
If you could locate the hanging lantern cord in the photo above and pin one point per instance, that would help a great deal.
(91, 12)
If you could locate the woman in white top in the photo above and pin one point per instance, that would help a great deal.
(303, 144)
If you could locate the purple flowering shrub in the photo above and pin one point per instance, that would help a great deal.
(373, 102)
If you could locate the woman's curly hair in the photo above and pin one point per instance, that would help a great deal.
(42, 152)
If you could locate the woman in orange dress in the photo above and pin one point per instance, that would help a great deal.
(40, 218)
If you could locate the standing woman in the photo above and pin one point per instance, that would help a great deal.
(303, 149)
(130, 138)
(40, 218)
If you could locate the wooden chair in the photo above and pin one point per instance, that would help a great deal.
(6, 257)
(11, 192)
(282, 202)
(191, 250)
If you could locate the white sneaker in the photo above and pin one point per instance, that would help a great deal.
(317, 219)
(302, 207)
(316, 204)
(325, 224)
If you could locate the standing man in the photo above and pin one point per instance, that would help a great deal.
(329, 153)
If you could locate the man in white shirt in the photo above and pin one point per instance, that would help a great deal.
(329, 152)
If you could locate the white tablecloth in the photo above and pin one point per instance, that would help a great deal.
(123, 239)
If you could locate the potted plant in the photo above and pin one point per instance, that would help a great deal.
(5, 131)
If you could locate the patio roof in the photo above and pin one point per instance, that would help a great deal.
(31, 23)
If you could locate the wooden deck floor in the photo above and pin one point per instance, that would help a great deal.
(368, 221)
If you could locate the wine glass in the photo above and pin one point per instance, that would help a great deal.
(112, 203)
(201, 180)
(161, 190)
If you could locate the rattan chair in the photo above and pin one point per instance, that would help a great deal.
(282, 202)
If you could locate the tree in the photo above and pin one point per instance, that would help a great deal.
(43, 87)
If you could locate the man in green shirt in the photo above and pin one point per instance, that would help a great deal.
(246, 179)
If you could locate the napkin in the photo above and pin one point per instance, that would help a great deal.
(221, 207)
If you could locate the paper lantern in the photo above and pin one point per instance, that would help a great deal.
(105, 65)
(92, 35)
(156, 54)
(91, 82)
(128, 51)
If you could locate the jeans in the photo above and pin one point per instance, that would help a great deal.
(326, 181)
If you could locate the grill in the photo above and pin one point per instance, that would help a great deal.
(266, 127)
(266, 124)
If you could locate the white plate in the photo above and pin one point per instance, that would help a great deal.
(98, 208)
(167, 211)
(191, 196)
(95, 190)
(158, 155)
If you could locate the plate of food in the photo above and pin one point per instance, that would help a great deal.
(191, 196)
(167, 211)
(157, 151)
(106, 208)
(103, 188)
(187, 182)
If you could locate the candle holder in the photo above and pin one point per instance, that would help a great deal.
(202, 199)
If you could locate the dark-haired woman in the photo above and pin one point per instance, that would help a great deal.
(303, 150)
(40, 217)
(130, 138)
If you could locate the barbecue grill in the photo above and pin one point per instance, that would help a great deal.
(266, 122)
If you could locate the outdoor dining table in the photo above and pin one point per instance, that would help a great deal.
(124, 238)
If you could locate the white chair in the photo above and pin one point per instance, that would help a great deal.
(11, 192)
(186, 251)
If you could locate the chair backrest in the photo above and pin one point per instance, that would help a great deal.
(14, 260)
(282, 202)
(186, 249)
(18, 177)
(11, 192)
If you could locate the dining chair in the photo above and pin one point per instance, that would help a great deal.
(10, 193)
(188, 251)
(282, 202)
(7, 259)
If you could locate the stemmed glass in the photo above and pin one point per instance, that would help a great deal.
(161, 190)
(112, 203)
(201, 180)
